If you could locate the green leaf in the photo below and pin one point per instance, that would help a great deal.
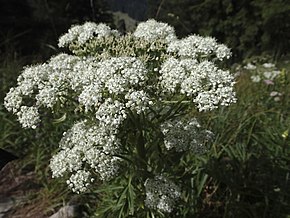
(59, 120)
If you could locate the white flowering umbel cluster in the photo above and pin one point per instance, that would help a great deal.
(192, 71)
(110, 82)
(161, 193)
(80, 34)
(87, 145)
(152, 30)
(185, 135)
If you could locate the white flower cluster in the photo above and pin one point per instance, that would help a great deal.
(82, 33)
(29, 80)
(161, 194)
(207, 85)
(138, 101)
(105, 88)
(60, 76)
(185, 135)
(28, 117)
(197, 46)
(82, 145)
(276, 95)
(250, 66)
(265, 76)
(152, 30)
(266, 72)
(13, 100)
(86, 77)
(79, 181)
(117, 76)
(111, 114)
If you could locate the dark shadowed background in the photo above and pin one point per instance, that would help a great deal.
(249, 27)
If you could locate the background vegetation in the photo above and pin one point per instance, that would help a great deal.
(246, 171)
(249, 27)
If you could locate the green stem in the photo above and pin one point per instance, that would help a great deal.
(174, 102)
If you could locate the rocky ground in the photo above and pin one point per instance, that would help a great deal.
(21, 196)
(18, 191)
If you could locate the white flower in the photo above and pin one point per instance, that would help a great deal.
(62, 72)
(207, 85)
(83, 73)
(152, 30)
(174, 72)
(183, 135)
(120, 74)
(106, 165)
(79, 181)
(111, 114)
(91, 96)
(271, 75)
(47, 96)
(268, 65)
(196, 46)
(275, 93)
(250, 66)
(92, 29)
(31, 78)
(137, 100)
(63, 62)
(13, 100)
(108, 85)
(161, 194)
(28, 117)
(256, 78)
(67, 160)
(267, 75)
(223, 52)
(85, 32)
(277, 98)
(71, 36)
(91, 145)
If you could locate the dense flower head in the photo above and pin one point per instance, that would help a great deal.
(13, 100)
(122, 73)
(138, 101)
(185, 135)
(90, 144)
(161, 194)
(28, 117)
(207, 85)
(116, 76)
(174, 71)
(31, 77)
(196, 46)
(82, 33)
(111, 114)
(79, 181)
(152, 30)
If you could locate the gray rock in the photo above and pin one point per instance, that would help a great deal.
(71, 211)
(7, 203)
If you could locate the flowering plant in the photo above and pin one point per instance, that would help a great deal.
(270, 75)
(129, 98)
